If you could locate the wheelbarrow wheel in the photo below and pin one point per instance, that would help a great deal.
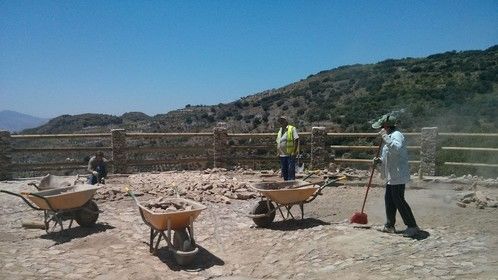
(182, 242)
(262, 208)
(88, 214)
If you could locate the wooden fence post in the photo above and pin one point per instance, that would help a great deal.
(220, 139)
(428, 151)
(319, 155)
(5, 155)
(119, 158)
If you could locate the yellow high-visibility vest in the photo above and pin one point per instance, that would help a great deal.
(290, 139)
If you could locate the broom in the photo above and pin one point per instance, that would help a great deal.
(361, 217)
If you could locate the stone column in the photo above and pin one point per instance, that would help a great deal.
(119, 158)
(220, 141)
(428, 151)
(319, 155)
(5, 155)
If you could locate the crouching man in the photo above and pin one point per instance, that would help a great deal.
(97, 166)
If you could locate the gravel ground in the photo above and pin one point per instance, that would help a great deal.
(461, 242)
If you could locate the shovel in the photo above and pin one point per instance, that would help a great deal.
(361, 217)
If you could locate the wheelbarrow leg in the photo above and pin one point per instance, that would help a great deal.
(289, 212)
(157, 244)
(302, 210)
(151, 243)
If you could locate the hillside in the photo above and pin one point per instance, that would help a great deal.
(456, 91)
(14, 121)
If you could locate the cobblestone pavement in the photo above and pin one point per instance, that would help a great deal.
(461, 242)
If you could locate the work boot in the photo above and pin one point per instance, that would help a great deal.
(387, 229)
(411, 232)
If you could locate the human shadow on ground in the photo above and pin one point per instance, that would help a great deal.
(292, 224)
(421, 234)
(202, 260)
(61, 237)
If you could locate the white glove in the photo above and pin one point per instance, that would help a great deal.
(385, 136)
(376, 160)
(95, 173)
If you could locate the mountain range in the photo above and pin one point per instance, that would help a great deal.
(456, 91)
(14, 121)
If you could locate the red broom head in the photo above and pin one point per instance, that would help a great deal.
(359, 218)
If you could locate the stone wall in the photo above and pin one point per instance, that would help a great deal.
(5, 155)
(119, 157)
(220, 142)
(319, 153)
(428, 150)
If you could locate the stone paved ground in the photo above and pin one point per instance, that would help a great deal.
(462, 243)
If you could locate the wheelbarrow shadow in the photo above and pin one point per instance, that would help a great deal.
(289, 225)
(203, 260)
(75, 232)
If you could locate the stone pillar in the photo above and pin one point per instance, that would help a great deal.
(428, 150)
(5, 155)
(220, 141)
(319, 155)
(119, 158)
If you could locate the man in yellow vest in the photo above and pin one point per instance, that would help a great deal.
(287, 147)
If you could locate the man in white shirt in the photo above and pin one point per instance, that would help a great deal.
(395, 170)
(287, 147)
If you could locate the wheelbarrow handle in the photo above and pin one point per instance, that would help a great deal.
(327, 183)
(130, 192)
(21, 195)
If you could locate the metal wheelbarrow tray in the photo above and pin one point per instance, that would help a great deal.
(177, 228)
(284, 194)
(67, 203)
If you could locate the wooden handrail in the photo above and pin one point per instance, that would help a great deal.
(366, 161)
(471, 164)
(166, 161)
(468, 134)
(62, 149)
(168, 149)
(475, 149)
(45, 136)
(339, 147)
(172, 134)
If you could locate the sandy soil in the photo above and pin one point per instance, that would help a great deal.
(461, 243)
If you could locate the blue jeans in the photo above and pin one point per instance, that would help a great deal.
(288, 167)
(102, 173)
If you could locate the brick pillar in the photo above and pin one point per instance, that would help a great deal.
(119, 158)
(319, 155)
(5, 155)
(428, 150)
(220, 141)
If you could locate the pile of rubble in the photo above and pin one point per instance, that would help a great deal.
(216, 185)
(162, 205)
(476, 198)
(213, 185)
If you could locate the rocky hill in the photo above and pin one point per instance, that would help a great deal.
(456, 91)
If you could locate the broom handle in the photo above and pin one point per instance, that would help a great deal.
(371, 175)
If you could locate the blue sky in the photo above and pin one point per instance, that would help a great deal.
(73, 57)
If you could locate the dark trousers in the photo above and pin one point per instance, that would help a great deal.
(102, 173)
(288, 167)
(395, 200)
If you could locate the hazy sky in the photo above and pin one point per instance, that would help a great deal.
(73, 57)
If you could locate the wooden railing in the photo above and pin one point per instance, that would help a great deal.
(163, 151)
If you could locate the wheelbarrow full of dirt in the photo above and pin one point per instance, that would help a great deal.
(278, 195)
(172, 220)
(72, 203)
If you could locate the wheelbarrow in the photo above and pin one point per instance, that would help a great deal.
(72, 203)
(177, 228)
(276, 196)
